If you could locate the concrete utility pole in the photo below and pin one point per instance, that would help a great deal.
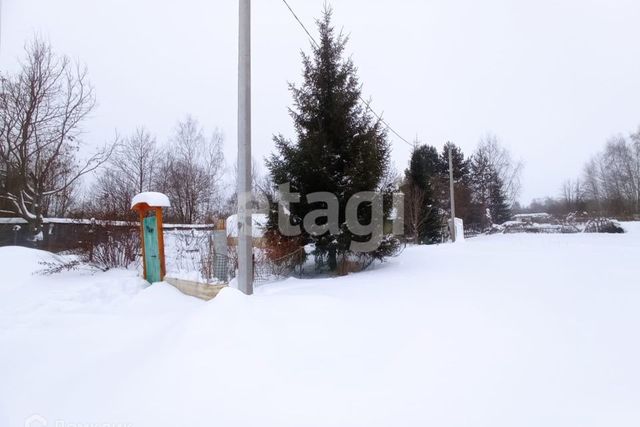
(245, 238)
(451, 195)
(0, 26)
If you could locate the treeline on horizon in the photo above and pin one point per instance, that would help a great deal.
(608, 187)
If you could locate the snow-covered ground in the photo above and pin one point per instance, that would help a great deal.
(504, 330)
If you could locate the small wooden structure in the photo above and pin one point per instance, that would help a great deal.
(149, 207)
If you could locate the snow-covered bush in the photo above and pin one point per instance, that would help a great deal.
(275, 264)
(603, 225)
(282, 254)
(120, 250)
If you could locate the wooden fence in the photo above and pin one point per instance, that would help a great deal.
(65, 233)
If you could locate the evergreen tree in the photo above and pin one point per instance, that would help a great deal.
(339, 149)
(481, 174)
(460, 164)
(461, 179)
(498, 205)
(421, 199)
(489, 197)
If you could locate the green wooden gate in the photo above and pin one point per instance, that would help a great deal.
(151, 250)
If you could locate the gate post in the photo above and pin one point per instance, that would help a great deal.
(149, 208)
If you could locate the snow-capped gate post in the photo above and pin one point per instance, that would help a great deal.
(149, 207)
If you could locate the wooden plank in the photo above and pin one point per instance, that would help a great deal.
(195, 289)
(163, 268)
(144, 256)
(152, 253)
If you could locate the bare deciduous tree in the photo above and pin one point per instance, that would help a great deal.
(509, 171)
(414, 212)
(572, 196)
(129, 171)
(612, 178)
(42, 107)
(192, 171)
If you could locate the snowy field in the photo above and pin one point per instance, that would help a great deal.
(504, 330)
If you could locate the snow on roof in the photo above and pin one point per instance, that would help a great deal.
(13, 221)
(151, 198)
(533, 215)
(257, 228)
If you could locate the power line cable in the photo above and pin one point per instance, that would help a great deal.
(366, 103)
(301, 24)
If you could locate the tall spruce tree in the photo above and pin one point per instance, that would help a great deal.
(498, 204)
(339, 147)
(460, 164)
(421, 198)
(461, 179)
(490, 202)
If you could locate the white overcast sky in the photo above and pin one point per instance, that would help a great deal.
(552, 79)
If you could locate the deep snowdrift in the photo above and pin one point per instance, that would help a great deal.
(17, 264)
(506, 330)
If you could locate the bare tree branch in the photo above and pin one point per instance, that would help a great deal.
(42, 108)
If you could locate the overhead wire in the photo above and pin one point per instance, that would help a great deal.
(366, 103)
